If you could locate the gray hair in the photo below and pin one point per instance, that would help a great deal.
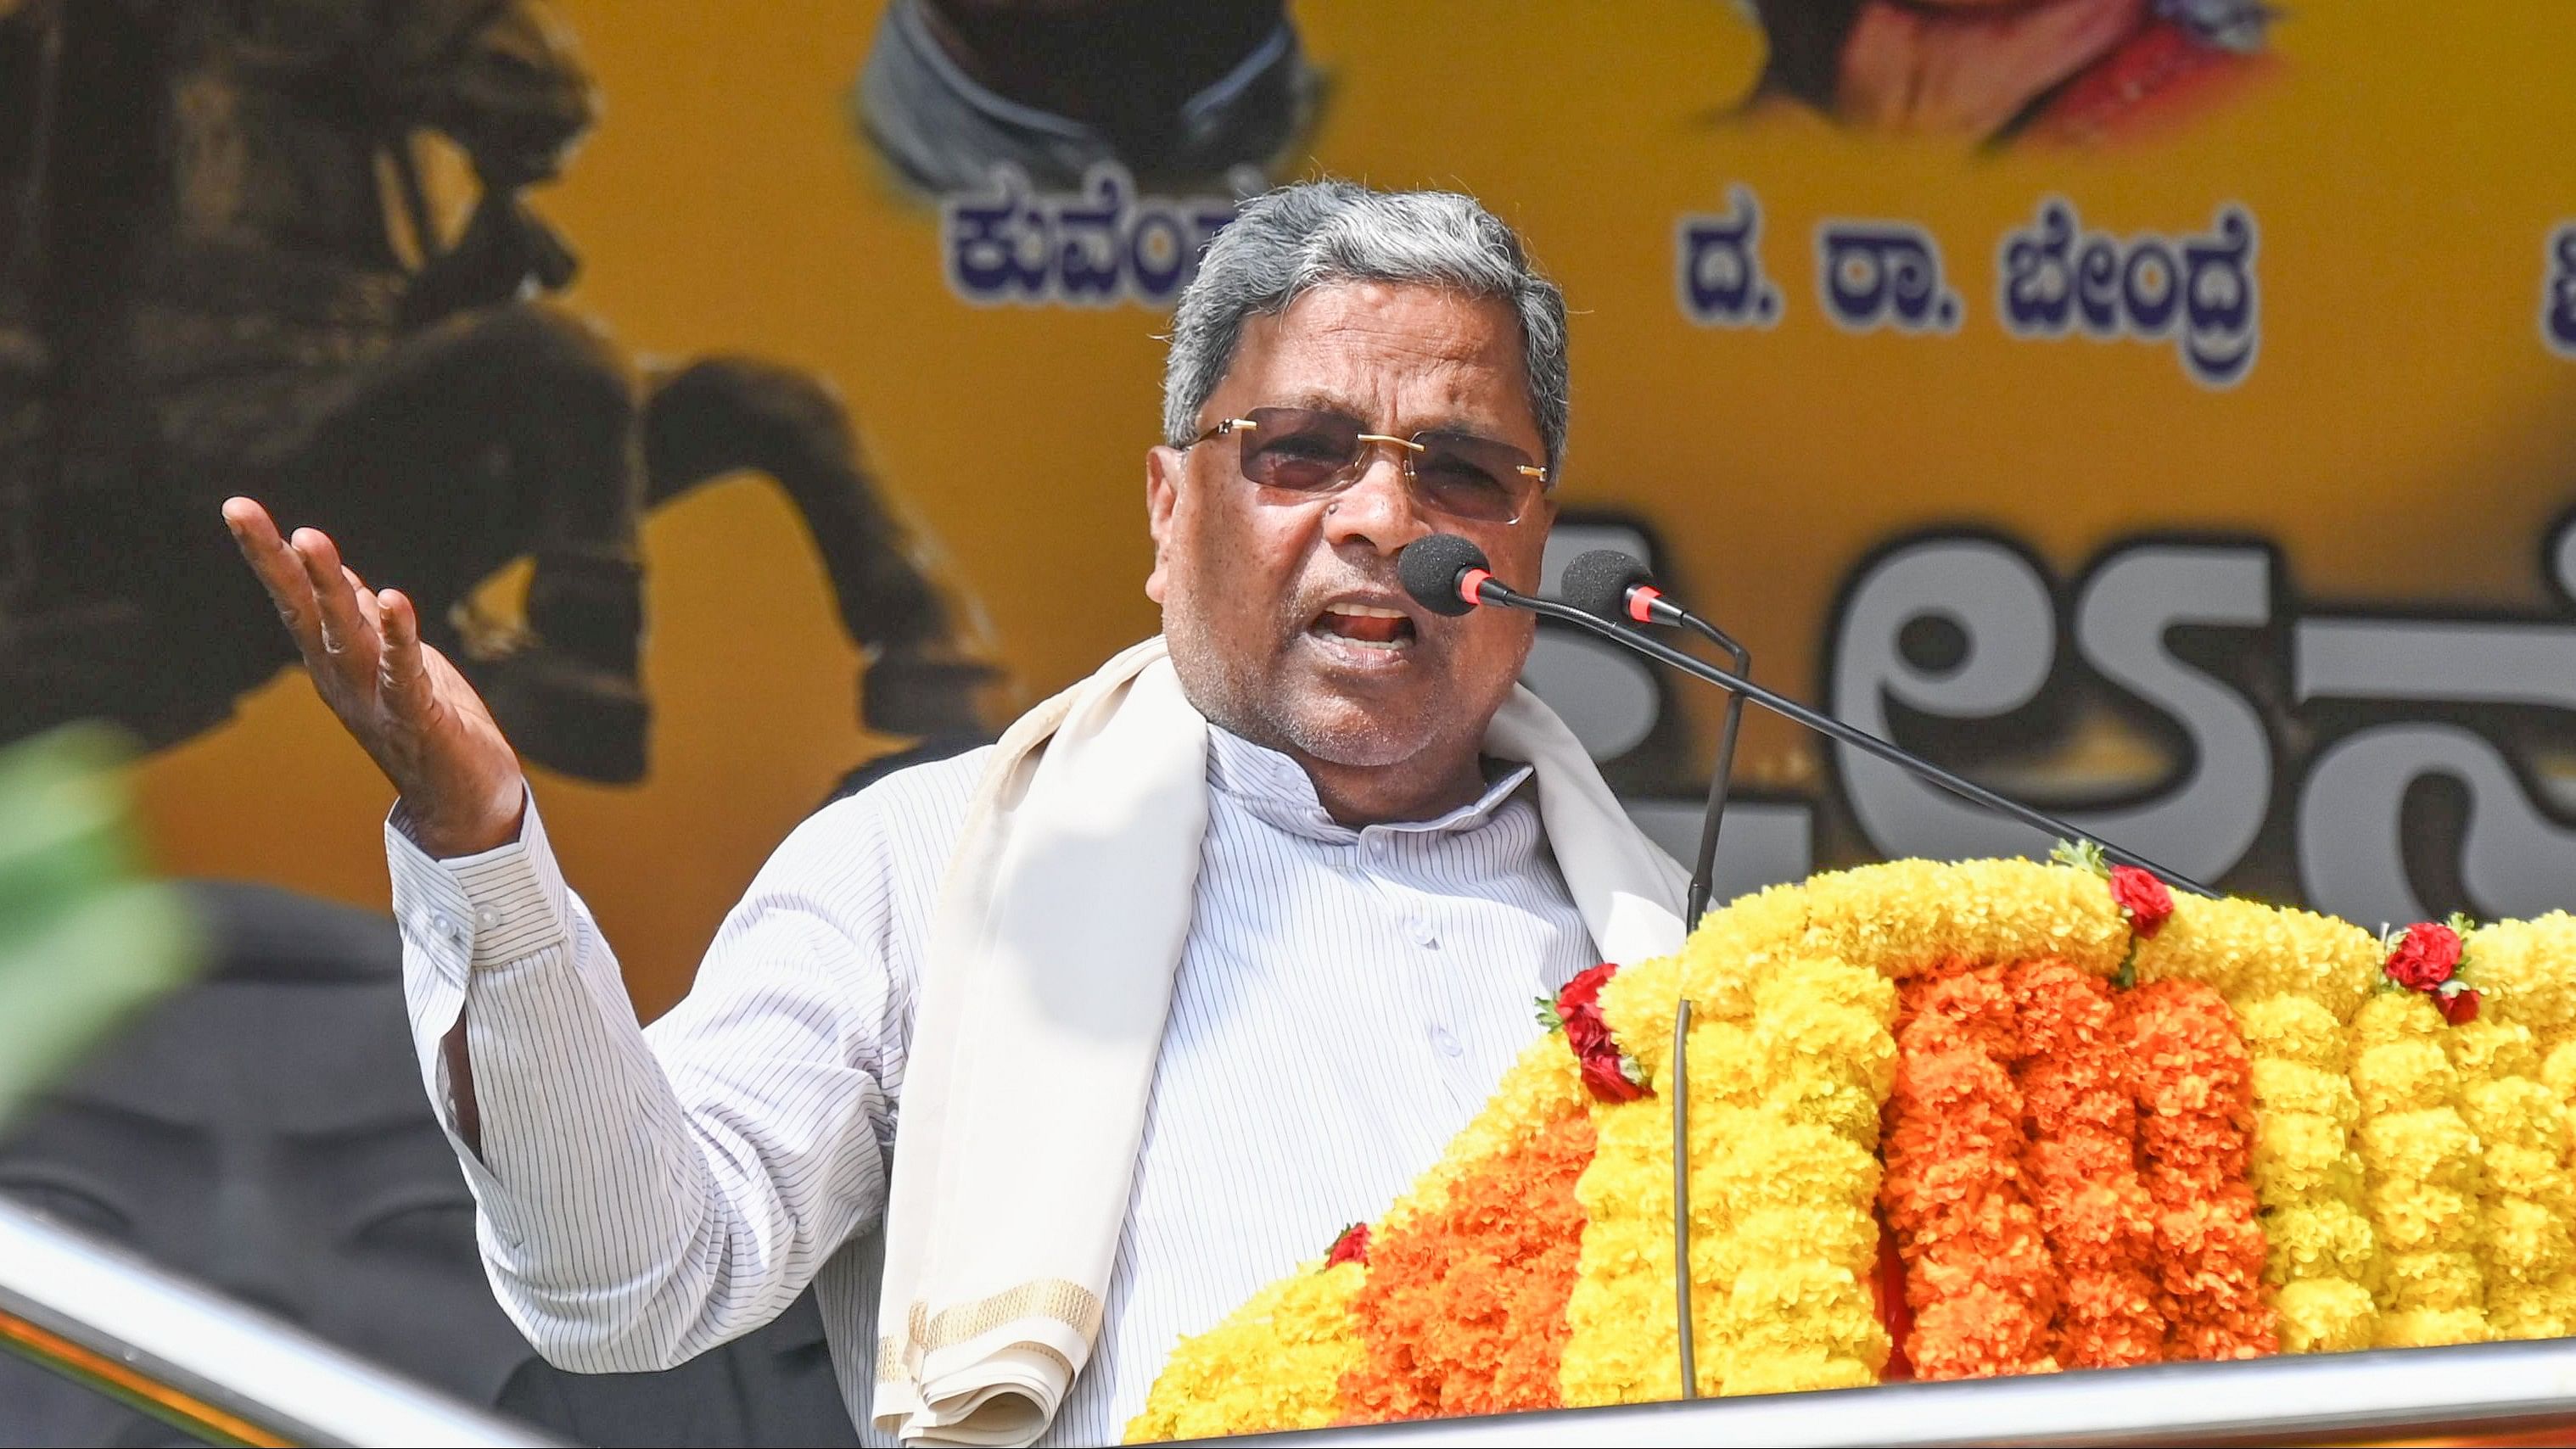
(1285, 243)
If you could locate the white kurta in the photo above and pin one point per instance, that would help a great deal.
(1346, 1001)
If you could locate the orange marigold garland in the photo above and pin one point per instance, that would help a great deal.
(1978, 1274)
(1464, 1308)
(2080, 1168)
(2192, 1079)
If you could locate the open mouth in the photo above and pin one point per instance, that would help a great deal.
(1367, 625)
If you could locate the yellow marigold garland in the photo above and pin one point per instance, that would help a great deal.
(1275, 1363)
(2323, 1258)
(2422, 1166)
(1784, 1121)
(1788, 1186)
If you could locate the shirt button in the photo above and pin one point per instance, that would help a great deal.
(1424, 936)
(487, 917)
(1447, 1043)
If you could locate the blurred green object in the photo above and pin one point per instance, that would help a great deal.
(85, 940)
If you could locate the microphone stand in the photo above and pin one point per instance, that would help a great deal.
(1713, 816)
(1489, 591)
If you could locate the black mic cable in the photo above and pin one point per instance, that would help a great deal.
(1449, 575)
(1608, 584)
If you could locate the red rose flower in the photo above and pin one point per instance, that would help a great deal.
(1351, 1247)
(2458, 1007)
(2143, 896)
(1606, 1073)
(2425, 957)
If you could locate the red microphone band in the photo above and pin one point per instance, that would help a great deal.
(1641, 603)
(1471, 583)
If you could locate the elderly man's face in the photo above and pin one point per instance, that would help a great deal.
(1265, 595)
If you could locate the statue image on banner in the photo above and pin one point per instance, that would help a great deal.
(1180, 94)
(2005, 72)
(224, 273)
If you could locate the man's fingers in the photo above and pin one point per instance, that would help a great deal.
(368, 608)
(404, 675)
(280, 571)
(344, 629)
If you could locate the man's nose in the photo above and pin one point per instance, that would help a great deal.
(1378, 509)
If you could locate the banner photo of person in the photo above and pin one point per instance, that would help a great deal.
(2157, 410)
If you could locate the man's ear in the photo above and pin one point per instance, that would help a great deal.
(1163, 466)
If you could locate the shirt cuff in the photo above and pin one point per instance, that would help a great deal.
(482, 911)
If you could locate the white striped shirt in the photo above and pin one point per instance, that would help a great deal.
(1346, 1001)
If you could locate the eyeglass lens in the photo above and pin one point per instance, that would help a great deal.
(1303, 450)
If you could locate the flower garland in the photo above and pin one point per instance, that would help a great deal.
(2524, 965)
(2307, 1175)
(2524, 1197)
(1289, 1356)
(1463, 1311)
(2422, 1168)
(1275, 1363)
(1784, 1117)
(2191, 1077)
(2080, 1168)
(2281, 1134)
(1782, 1192)
(2294, 980)
(1978, 1274)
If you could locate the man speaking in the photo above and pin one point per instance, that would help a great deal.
(1038, 1058)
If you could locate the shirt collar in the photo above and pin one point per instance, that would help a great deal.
(1277, 790)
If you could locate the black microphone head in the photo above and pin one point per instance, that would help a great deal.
(1599, 581)
(1429, 569)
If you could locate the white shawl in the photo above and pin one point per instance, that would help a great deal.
(1053, 945)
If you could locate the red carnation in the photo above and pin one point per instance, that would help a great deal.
(1579, 993)
(2425, 957)
(2460, 1007)
(1351, 1247)
(1587, 1033)
(2143, 896)
(1612, 1076)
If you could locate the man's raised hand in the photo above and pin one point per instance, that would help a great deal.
(417, 717)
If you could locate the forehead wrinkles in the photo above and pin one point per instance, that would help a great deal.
(1407, 365)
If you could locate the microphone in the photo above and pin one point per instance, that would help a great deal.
(1445, 573)
(1450, 575)
(1608, 584)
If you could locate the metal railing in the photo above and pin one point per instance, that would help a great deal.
(188, 1355)
(2463, 1394)
(232, 1375)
